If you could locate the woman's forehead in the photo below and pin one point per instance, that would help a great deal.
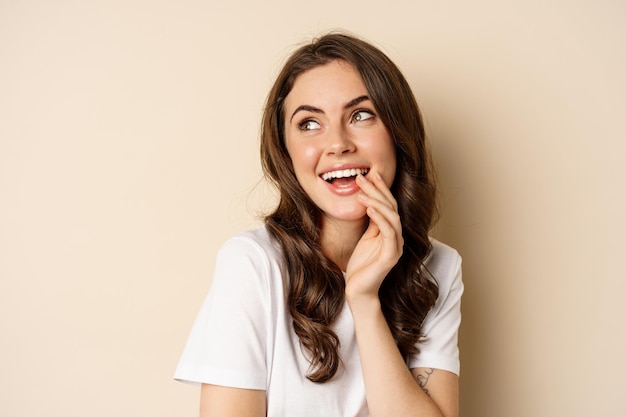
(329, 85)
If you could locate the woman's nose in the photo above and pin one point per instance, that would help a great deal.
(339, 143)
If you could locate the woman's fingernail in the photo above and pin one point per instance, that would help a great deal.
(363, 196)
(378, 176)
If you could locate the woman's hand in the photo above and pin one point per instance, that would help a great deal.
(380, 247)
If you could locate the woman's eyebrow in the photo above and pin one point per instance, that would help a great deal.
(306, 107)
(356, 101)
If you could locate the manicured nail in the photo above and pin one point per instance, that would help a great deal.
(378, 176)
(363, 196)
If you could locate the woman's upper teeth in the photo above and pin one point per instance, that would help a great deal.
(342, 173)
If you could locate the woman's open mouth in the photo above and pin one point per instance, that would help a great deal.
(343, 176)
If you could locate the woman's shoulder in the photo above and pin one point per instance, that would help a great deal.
(255, 245)
(258, 238)
(442, 252)
(444, 263)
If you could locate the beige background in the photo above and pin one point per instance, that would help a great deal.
(128, 154)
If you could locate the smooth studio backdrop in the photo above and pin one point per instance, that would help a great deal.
(128, 154)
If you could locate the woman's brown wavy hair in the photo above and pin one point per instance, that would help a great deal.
(315, 286)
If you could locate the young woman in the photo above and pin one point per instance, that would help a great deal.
(341, 304)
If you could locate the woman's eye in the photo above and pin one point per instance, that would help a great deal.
(309, 125)
(360, 115)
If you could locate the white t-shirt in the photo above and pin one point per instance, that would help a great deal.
(243, 335)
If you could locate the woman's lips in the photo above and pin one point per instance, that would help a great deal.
(341, 179)
(343, 186)
(330, 176)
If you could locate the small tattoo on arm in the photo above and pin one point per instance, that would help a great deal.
(422, 378)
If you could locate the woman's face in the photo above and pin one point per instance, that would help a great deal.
(332, 134)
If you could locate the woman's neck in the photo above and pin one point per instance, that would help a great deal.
(339, 238)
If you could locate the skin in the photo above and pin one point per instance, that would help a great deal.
(361, 232)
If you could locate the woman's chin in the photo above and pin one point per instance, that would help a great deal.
(352, 214)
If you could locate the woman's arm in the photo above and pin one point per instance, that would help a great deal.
(441, 386)
(391, 388)
(218, 401)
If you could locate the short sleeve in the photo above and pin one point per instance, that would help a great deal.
(439, 348)
(228, 341)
